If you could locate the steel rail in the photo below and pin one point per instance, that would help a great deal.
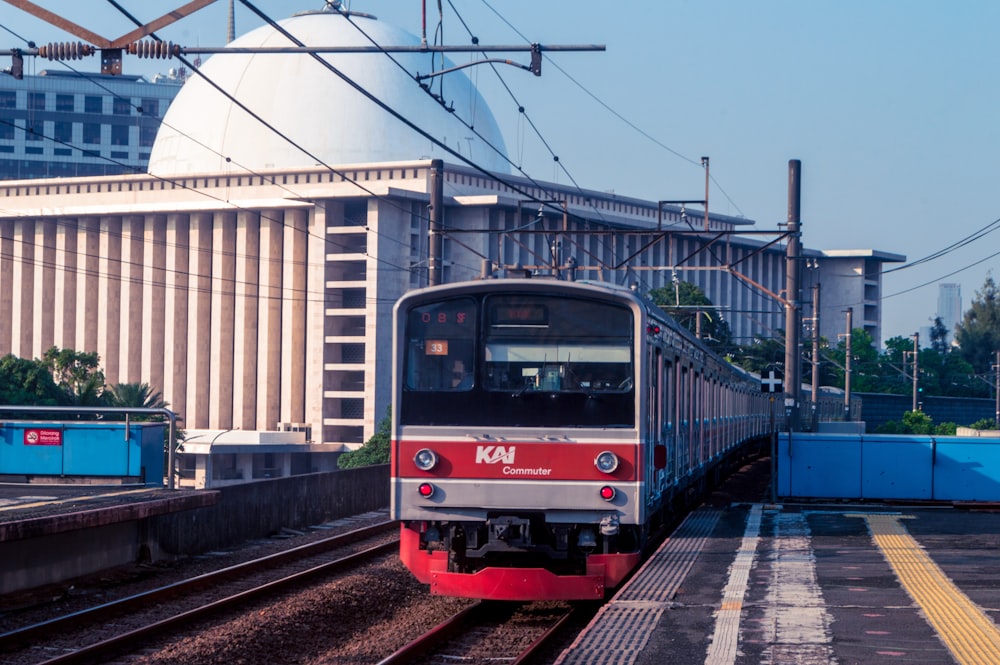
(16, 638)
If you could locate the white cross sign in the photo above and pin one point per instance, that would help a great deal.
(771, 383)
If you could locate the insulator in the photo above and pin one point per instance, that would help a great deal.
(65, 50)
(151, 49)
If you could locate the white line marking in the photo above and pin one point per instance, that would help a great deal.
(726, 637)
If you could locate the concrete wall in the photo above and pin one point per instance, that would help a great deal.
(242, 512)
(256, 509)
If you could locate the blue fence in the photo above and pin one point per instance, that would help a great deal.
(102, 450)
(872, 467)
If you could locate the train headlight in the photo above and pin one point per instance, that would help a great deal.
(608, 493)
(425, 490)
(606, 462)
(425, 459)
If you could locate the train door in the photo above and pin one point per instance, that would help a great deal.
(683, 422)
(654, 431)
(669, 418)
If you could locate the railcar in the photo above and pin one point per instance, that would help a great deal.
(542, 429)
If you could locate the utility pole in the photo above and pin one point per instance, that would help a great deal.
(996, 389)
(815, 358)
(847, 364)
(793, 308)
(916, 367)
(434, 259)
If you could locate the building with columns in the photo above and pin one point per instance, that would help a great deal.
(251, 275)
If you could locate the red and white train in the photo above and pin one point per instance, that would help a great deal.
(542, 429)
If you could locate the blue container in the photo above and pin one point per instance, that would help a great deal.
(827, 465)
(74, 449)
(897, 467)
(967, 469)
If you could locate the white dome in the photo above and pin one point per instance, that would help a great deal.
(317, 110)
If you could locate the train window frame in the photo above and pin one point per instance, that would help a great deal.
(443, 359)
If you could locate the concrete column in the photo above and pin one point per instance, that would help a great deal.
(45, 287)
(315, 319)
(175, 352)
(110, 298)
(245, 316)
(132, 318)
(200, 323)
(23, 301)
(223, 319)
(293, 316)
(87, 284)
(154, 287)
(6, 286)
(269, 316)
(66, 312)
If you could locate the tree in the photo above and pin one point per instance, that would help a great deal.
(375, 450)
(760, 354)
(78, 374)
(28, 383)
(939, 336)
(866, 369)
(135, 395)
(978, 335)
(691, 308)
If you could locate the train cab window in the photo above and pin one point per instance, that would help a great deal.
(549, 344)
(440, 353)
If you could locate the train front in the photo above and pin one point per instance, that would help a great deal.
(516, 467)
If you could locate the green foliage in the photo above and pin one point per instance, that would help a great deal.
(375, 450)
(946, 429)
(78, 374)
(28, 383)
(918, 422)
(978, 334)
(984, 423)
(135, 395)
(691, 308)
(760, 354)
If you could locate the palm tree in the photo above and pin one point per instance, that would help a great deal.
(135, 395)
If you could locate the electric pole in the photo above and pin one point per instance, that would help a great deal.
(815, 358)
(793, 308)
(847, 364)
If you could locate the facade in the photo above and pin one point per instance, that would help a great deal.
(253, 284)
(262, 303)
(64, 124)
(849, 279)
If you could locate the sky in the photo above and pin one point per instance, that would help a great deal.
(892, 106)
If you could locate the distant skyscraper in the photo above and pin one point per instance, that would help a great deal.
(66, 124)
(949, 307)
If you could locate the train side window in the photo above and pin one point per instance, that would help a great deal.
(441, 350)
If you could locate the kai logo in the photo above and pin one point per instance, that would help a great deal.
(494, 454)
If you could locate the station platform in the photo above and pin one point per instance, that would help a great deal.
(51, 533)
(809, 584)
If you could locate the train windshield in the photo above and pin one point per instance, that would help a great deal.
(518, 360)
(556, 345)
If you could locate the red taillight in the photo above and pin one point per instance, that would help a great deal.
(652, 329)
(426, 490)
(607, 493)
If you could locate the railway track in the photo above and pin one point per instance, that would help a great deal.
(161, 610)
(490, 632)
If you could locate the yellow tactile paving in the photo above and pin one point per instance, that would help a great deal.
(965, 629)
(54, 502)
